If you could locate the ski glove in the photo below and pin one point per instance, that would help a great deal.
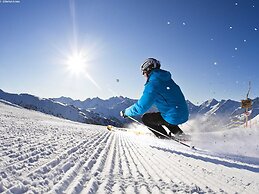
(122, 114)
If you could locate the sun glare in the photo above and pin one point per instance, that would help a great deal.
(77, 59)
(76, 63)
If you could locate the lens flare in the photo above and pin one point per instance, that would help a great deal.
(76, 63)
(77, 59)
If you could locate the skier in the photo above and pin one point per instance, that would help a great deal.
(160, 90)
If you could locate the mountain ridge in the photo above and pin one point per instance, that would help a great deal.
(229, 112)
(99, 111)
(55, 108)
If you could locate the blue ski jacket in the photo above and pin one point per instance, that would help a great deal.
(160, 90)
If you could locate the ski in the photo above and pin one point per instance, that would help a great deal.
(172, 137)
(182, 143)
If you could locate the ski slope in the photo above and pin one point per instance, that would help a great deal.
(44, 154)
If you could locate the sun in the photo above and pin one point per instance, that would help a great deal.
(76, 63)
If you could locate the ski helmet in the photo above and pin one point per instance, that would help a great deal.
(149, 64)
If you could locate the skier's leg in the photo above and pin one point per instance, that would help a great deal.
(175, 129)
(154, 121)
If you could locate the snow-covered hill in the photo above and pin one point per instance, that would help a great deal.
(44, 154)
(254, 122)
(56, 108)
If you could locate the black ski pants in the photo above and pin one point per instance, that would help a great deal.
(155, 121)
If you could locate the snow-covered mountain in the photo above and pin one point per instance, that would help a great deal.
(211, 112)
(222, 113)
(109, 108)
(217, 113)
(58, 109)
(207, 106)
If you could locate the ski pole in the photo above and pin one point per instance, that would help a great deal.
(148, 127)
(161, 133)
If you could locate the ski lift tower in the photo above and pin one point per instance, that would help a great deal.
(247, 103)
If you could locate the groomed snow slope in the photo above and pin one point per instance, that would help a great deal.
(44, 154)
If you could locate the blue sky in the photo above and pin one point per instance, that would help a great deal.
(210, 47)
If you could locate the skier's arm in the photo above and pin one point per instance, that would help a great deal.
(142, 105)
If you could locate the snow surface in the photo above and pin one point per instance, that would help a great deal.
(40, 153)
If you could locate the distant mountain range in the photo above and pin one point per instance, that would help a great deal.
(97, 111)
(226, 113)
(58, 109)
(107, 108)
